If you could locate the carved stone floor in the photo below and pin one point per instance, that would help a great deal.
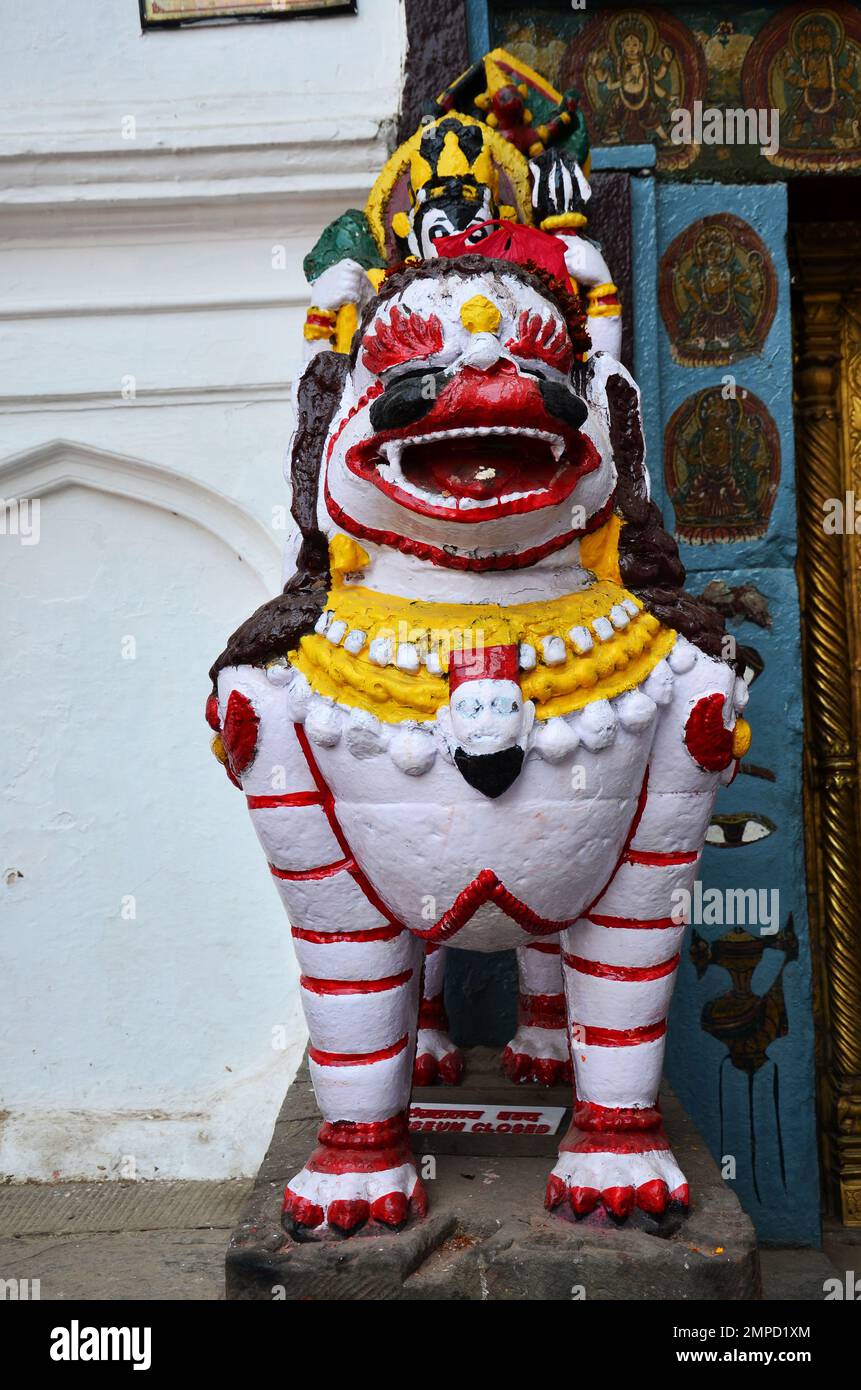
(487, 1235)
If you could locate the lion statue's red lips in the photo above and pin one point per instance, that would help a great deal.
(487, 448)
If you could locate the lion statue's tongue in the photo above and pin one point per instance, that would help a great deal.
(479, 467)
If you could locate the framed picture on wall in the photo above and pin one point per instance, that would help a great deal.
(165, 14)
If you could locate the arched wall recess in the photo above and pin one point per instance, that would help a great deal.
(61, 463)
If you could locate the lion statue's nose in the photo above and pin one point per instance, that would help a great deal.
(482, 352)
(481, 318)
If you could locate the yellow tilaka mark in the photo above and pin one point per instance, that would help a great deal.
(346, 556)
(741, 738)
(452, 160)
(480, 315)
(599, 551)
(607, 670)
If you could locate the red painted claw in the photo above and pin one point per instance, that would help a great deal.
(680, 1197)
(516, 1065)
(653, 1196)
(546, 1071)
(619, 1201)
(425, 1070)
(583, 1200)
(450, 1068)
(555, 1193)
(419, 1199)
(391, 1210)
(348, 1216)
(549, 1071)
(301, 1211)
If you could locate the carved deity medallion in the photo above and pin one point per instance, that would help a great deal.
(634, 68)
(722, 466)
(806, 62)
(718, 292)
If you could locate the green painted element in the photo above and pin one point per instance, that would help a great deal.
(577, 142)
(349, 237)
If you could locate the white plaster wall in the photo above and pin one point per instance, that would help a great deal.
(147, 351)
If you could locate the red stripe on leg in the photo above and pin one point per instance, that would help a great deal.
(623, 1142)
(355, 986)
(357, 1059)
(432, 1013)
(617, 1037)
(633, 923)
(629, 973)
(607, 1118)
(326, 938)
(541, 1010)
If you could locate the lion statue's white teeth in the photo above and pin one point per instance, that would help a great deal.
(483, 714)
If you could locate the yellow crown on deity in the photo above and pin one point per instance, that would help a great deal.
(452, 156)
(453, 147)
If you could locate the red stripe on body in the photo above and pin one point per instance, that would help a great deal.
(485, 887)
(654, 859)
(347, 1146)
(628, 973)
(355, 986)
(328, 804)
(261, 803)
(357, 1059)
(321, 871)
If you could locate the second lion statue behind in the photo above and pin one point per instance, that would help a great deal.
(483, 689)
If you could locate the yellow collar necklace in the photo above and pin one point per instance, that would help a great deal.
(389, 655)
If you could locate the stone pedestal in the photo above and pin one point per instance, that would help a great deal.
(487, 1235)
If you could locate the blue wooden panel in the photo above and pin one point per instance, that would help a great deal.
(767, 374)
(701, 1066)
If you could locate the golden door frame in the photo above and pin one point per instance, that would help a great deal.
(827, 326)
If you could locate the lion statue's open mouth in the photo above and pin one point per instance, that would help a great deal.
(489, 447)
